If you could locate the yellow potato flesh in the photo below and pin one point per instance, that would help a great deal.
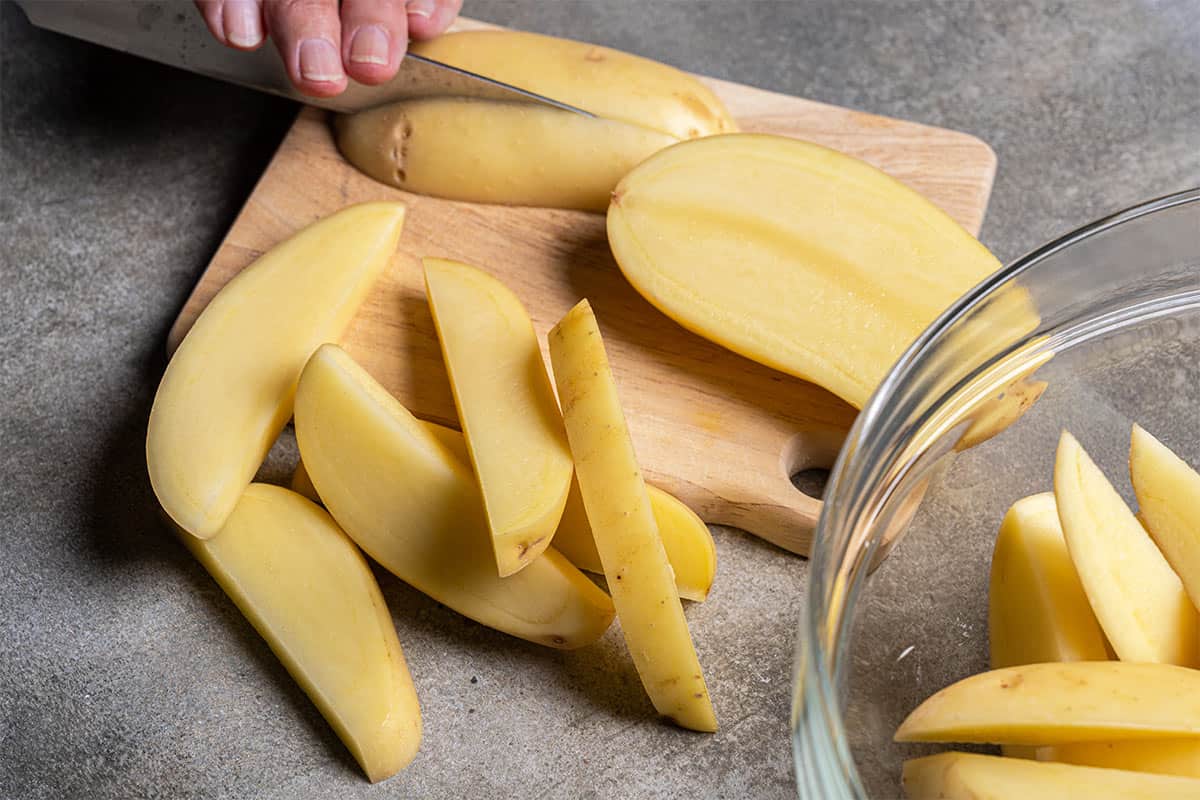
(1162, 756)
(1168, 495)
(227, 392)
(1138, 599)
(302, 484)
(448, 438)
(606, 82)
(686, 539)
(416, 509)
(308, 591)
(510, 419)
(1037, 609)
(493, 152)
(626, 534)
(970, 776)
(796, 256)
(1042, 704)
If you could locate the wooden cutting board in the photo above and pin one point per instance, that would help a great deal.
(719, 431)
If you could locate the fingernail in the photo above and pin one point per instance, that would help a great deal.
(370, 45)
(242, 23)
(319, 61)
(421, 8)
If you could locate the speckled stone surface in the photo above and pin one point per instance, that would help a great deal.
(124, 671)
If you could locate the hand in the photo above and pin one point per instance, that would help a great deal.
(322, 44)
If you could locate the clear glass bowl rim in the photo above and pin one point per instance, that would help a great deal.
(824, 765)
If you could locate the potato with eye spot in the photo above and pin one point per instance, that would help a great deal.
(485, 151)
(491, 151)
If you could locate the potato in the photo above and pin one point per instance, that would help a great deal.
(227, 392)
(521, 154)
(1037, 608)
(686, 540)
(1168, 495)
(1163, 756)
(492, 152)
(309, 592)
(606, 82)
(970, 776)
(302, 484)
(1138, 599)
(796, 256)
(510, 418)
(448, 438)
(1041, 704)
(416, 509)
(626, 534)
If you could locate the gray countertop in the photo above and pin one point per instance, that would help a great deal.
(124, 672)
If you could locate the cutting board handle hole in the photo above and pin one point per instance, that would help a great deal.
(811, 481)
(808, 456)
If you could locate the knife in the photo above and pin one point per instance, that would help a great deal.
(172, 33)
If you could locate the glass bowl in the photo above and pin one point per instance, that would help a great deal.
(1091, 333)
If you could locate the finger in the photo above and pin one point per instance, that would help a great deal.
(308, 34)
(235, 23)
(374, 38)
(430, 18)
(210, 10)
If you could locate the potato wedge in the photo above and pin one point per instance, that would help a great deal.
(510, 417)
(1037, 608)
(1168, 495)
(714, 231)
(308, 591)
(1161, 756)
(529, 156)
(1042, 704)
(302, 485)
(606, 82)
(1138, 599)
(971, 776)
(686, 539)
(227, 392)
(416, 509)
(626, 534)
(448, 438)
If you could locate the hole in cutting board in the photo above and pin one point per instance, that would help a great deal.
(812, 481)
(809, 455)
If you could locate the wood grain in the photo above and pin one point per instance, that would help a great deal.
(719, 431)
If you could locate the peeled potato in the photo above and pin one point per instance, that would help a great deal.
(510, 418)
(1162, 756)
(308, 590)
(794, 255)
(1037, 608)
(687, 540)
(1168, 494)
(1140, 602)
(414, 507)
(227, 392)
(971, 776)
(1078, 701)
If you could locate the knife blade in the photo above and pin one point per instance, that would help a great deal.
(172, 33)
